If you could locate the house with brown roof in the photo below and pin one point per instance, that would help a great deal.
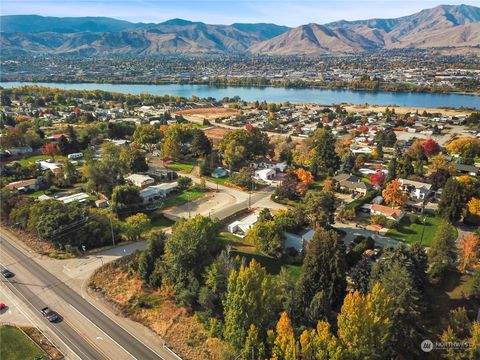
(24, 185)
(391, 213)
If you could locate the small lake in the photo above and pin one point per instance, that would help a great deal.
(274, 94)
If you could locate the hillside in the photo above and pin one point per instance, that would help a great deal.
(443, 27)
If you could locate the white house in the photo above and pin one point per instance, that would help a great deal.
(240, 227)
(80, 197)
(140, 180)
(265, 175)
(157, 192)
(416, 190)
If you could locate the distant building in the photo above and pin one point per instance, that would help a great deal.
(471, 170)
(297, 242)
(80, 197)
(240, 227)
(265, 174)
(219, 172)
(20, 150)
(140, 180)
(24, 185)
(157, 192)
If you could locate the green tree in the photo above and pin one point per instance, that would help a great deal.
(324, 270)
(319, 208)
(70, 173)
(201, 145)
(191, 246)
(452, 200)
(147, 136)
(443, 249)
(252, 298)
(135, 225)
(267, 237)
(154, 250)
(254, 347)
(325, 160)
(125, 196)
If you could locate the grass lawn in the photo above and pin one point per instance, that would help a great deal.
(182, 198)
(248, 252)
(160, 221)
(185, 167)
(14, 345)
(448, 296)
(220, 181)
(32, 159)
(412, 233)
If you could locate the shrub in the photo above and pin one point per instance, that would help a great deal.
(184, 182)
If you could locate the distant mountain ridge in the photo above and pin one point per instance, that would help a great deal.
(445, 26)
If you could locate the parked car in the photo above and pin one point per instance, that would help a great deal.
(2, 306)
(7, 273)
(51, 315)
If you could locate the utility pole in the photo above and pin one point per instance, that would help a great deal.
(111, 228)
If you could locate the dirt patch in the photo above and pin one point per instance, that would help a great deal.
(404, 109)
(155, 309)
(43, 343)
(216, 134)
(209, 113)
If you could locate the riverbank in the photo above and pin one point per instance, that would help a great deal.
(286, 84)
(281, 95)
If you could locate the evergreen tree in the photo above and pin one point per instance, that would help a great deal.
(443, 249)
(324, 160)
(452, 200)
(324, 270)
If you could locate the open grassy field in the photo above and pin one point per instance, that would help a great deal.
(182, 198)
(184, 167)
(160, 222)
(15, 345)
(412, 232)
(32, 159)
(220, 181)
(447, 296)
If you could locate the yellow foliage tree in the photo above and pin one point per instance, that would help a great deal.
(469, 251)
(440, 162)
(285, 346)
(320, 343)
(474, 206)
(328, 184)
(364, 323)
(393, 195)
(460, 145)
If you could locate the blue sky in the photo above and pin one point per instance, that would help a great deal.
(285, 12)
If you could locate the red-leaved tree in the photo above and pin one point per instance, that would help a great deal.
(377, 178)
(431, 147)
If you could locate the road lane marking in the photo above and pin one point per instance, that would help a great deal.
(90, 321)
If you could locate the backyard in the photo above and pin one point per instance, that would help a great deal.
(243, 249)
(15, 345)
(31, 159)
(184, 167)
(410, 231)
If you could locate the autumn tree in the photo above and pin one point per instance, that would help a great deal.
(473, 206)
(288, 188)
(254, 347)
(285, 345)
(320, 343)
(469, 248)
(306, 178)
(171, 149)
(377, 178)
(394, 195)
(51, 149)
(431, 147)
(364, 324)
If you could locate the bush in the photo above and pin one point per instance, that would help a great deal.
(184, 182)
(378, 220)
(391, 224)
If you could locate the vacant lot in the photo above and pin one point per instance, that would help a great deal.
(15, 345)
(208, 113)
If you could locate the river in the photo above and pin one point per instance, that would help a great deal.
(277, 94)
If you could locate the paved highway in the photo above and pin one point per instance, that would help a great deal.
(27, 269)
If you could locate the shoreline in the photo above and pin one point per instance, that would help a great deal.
(202, 83)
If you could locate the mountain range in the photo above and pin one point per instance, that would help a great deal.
(445, 26)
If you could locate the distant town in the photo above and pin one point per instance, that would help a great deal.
(393, 70)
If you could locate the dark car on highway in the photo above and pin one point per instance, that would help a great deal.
(7, 273)
(51, 315)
